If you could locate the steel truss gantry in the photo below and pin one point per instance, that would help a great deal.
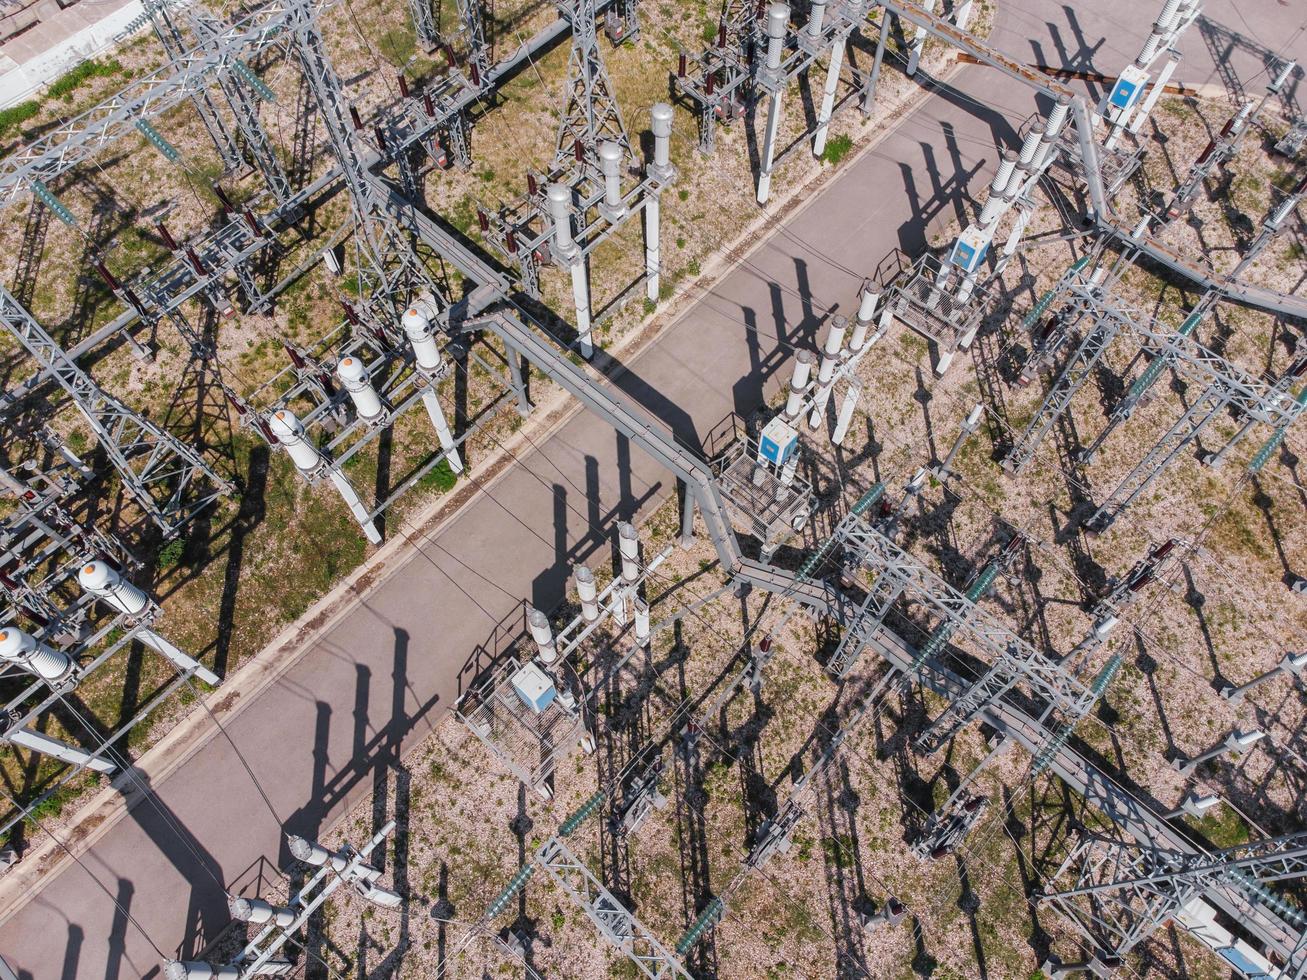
(161, 473)
(145, 98)
(174, 45)
(590, 115)
(58, 576)
(1012, 661)
(260, 956)
(1222, 386)
(244, 101)
(616, 923)
(1121, 892)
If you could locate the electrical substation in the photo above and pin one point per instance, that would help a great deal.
(619, 488)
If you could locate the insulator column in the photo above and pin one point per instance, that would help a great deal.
(628, 542)
(798, 385)
(24, 650)
(778, 19)
(353, 374)
(587, 592)
(543, 635)
(660, 170)
(828, 93)
(560, 212)
(830, 357)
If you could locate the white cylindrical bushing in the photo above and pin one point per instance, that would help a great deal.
(661, 115)
(798, 384)
(353, 374)
(973, 419)
(778, 19)
(641, 621)
(835, 334)
(1105, 626)
(199, 970)
(816, 17)
(103, 581)
(24, 650)
(1003, 176)
(330, 260)
(1031, 144)
(628, 543)
(418, 330)
(610, 162)
(258, 911)
(560, 213)
(992, 208)
(587, 592)
(290, 433)
(538, 623)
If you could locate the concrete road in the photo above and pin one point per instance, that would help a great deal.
(388, 671)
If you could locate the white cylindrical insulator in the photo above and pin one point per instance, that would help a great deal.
(1105, 626)
(290, 433)
(641, 621)
(1031, 144)
(313, 853)
(560, 212)
(778, 19)
(588, 593)
(816, 17)
(1058, 114)
(972, 421)
(199, 970)
(538, 623)
(661, 116)
(258, 911)
(628, 544)
(867, 301)
(418, 330)
(103, 581)
(798, 383)
(610, 162)
(1003, 175)
(1149, 50)
(992, 209)
(24, 650)
(845, 418)
(330, 260)
(835, 335)
(1241, 740)
(1167, 17)
(353, 375)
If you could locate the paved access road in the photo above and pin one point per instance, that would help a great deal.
(388, 671)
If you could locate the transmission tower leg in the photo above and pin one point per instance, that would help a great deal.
(246, 111)
(355, 505)
(828, 96)
(432, 402)
(516, 361)
(869, 90)
(1189, 426)
(769, 146)
(687, 517)
(424, 24)
(47, 745)
(652, 249)
(182, 661)
(1217, 459)
(581, 296)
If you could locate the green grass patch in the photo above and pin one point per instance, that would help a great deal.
(16, 115)
(65, 85)
(171, 553)
(837, 148)
(440, 477)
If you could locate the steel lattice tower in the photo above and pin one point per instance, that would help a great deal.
(590, 114)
